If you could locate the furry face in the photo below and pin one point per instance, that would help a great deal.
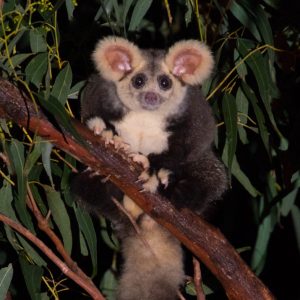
(152, 80)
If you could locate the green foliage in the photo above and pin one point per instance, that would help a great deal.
(244, 93)
(6, 275)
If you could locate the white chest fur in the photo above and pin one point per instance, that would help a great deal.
(144, 132)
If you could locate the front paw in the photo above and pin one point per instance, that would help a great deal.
(96, 124)
(140, 159)
(150, 182)
(120, 144)
(164, 176)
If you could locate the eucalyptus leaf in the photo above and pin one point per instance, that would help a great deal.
(139, 11)
(60, 216)
(33, 156)
(33, 278)
(6, 201)
(74, 92)
(37, 40)
(117, 10)
(17, 59)
(261, 20)
(261, 71)
(265, 229)
(239, 174)
(16, 39)
(230, 119)
(242, 106)
(5, 280)
(288, 201)
(70, 8)
(263, 130)
(46, 148)
(190, 288)
(87, 228)
(127, 4)
(110, 240)
(65, 180)
(188, 13)
(105, 7)
(83, 246)
(4, 127)
(8, 6)
(109, 284)
(44, 296)
(59, 113)
(241, 67)
(62, 84)
(38, 197)
(260, 249)
(7, 209)
(16, 154)
(273, 3)
(37, 68)
(31, 252)
(296, 222)
(245, 18)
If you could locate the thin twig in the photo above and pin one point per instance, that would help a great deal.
(180, 296)
(198, 280)
(129, 216)
(4, 157)
(88, 287)
(44, 226)
(134, 224)
(167, 5)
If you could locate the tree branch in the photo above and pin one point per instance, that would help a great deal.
(205, 241)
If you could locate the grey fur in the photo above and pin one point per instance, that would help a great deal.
(197, 177)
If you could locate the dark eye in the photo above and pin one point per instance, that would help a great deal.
(165, 83)
(139, 80)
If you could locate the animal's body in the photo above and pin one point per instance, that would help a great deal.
(151, 99)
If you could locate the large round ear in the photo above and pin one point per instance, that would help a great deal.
(190, 60)
(114, 57)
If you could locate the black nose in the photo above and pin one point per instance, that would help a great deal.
(151, 98)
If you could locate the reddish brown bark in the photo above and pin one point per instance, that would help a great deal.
(205, 241)
(85, 283)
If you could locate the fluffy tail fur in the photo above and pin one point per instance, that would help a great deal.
(153, 267)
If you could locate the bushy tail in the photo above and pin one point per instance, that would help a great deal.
(153, 264)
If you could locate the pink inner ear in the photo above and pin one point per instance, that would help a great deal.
(119, 59)
(186, 63)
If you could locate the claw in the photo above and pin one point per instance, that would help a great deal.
(104, 180)
(144, 176)
(151, 184)
(108, 137)
(94, 173)
(140, 159)
(120, 144)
